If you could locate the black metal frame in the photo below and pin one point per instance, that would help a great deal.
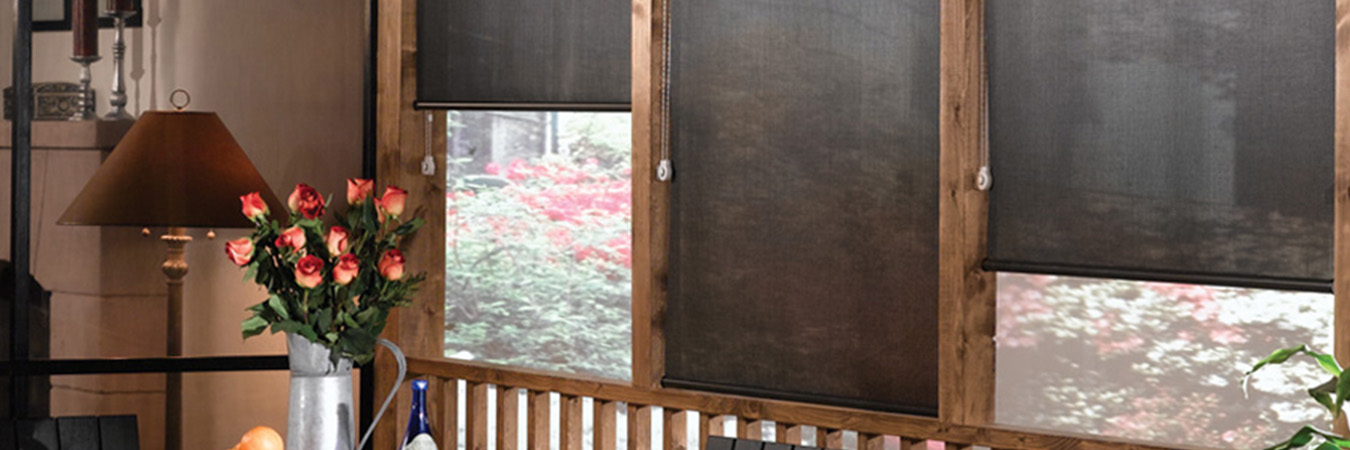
(20, 366)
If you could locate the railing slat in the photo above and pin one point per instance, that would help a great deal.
(713, 426)
(476, 420)
(570, 426)
(639, 427)
(743, 428)
(753, 430)
(508, 416)
(676, 430)
(606, 420)
(912, 444)
(537, 435)
(829, 439)
(867, 441)
(446, 412)
(791, 435)
(779, 431)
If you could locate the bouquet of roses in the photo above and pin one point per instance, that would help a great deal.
(334, 285)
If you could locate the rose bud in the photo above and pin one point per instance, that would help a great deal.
(293, 238)
(240, 251)
(393, 199)
(309, 271)
(358, 189)
(336, 240)
(379, 210)
(391, 264)
(254, 206)
(306, 201)
(346, 269)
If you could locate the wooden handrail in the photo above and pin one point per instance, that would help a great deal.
(822, 416)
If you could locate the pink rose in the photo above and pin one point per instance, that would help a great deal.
(306, 201)
(392, 200)
(391, 264)
(240, 251)
(346, 269)
(358, 189)
(309, 271)
(254, 206)
(336, 240)
(293, 238)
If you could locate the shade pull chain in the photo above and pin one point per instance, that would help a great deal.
(984, 178)
(664, 170)
(428, 162)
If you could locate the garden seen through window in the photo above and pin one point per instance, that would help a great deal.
(538, 240)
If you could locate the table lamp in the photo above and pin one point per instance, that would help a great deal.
(173, 169)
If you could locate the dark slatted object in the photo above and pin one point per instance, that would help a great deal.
(38, 434)
(803, 259)
(119, 433)
(78, 433)
(557, 54)
(7, 434)
(1173, 140)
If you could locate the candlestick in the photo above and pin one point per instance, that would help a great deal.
(118, 96)
(84, 23)
(86, 106)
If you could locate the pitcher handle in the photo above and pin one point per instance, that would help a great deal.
(402, 371)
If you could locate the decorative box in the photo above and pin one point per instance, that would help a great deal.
(55, 101)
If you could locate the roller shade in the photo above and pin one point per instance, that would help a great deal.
(524, 54)
(1172, 140)
(803, 257)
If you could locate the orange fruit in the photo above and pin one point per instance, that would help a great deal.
(261, 438)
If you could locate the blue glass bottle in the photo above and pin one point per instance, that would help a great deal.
(418, 436)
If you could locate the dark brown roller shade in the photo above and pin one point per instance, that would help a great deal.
(803, 259)
(532, 54)
(1174, 140)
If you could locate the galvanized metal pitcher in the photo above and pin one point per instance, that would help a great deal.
(321, 416)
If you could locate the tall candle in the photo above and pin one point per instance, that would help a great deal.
(84, 22)
(120, 6)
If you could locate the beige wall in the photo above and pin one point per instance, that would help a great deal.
(286, 77)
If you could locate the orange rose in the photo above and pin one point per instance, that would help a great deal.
(254, 206)
(309, 271)
(392, 200)
(336, 240)
(358, 189)
(293, 238)
(391, 264)
(240, 251)
(306, 201)
(346, 269)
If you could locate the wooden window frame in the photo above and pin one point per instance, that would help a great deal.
(966, 292)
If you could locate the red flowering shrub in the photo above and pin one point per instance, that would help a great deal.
(538, 265)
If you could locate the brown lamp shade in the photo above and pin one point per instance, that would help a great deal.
(180, 169)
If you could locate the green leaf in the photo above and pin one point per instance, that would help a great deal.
(409, 227)
(288, 326)
(1324, 399)
(253, 326)
(277, 305)
(1342, 392)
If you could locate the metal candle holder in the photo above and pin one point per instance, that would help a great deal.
(118, 97)
(85, 109)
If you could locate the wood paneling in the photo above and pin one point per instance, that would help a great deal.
(966, 303)
(651, 198)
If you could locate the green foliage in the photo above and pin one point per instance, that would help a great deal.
(538, 258)
(1331, 395)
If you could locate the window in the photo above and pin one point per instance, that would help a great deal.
(1155, 361)
(538, 240)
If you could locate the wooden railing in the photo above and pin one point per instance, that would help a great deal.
(791, 422)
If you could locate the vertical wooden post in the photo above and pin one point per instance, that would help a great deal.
(639, 427)
(966, 293)
(1341, 284)
(650, 198)
(570, 426)
(676, 430)
(606, 419)
(538, 434)
(508, 417)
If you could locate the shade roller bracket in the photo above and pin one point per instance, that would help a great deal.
(984, 179)
(663, 170)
